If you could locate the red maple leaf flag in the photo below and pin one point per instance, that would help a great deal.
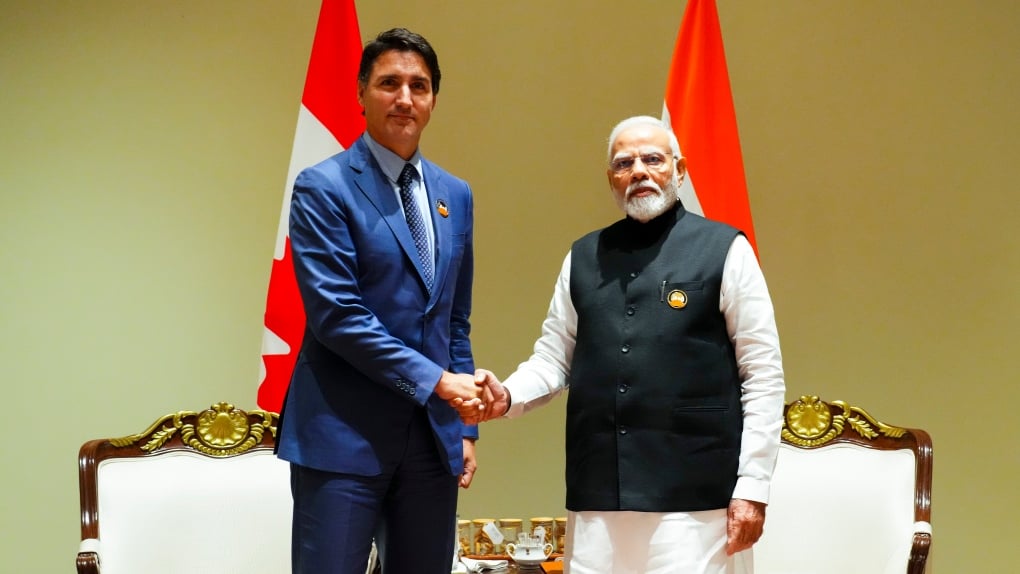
(699, 107)
(329, 121)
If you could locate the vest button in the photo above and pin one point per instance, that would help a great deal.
(634, 274)
(623, 430)
(630, 311)
(624, 388)
(625, 349)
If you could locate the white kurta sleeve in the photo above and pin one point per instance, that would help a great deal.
(751, 323)
(544, 375)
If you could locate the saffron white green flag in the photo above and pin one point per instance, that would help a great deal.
(699, 106)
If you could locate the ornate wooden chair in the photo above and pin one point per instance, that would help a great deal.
(195, 492)
(850, 495)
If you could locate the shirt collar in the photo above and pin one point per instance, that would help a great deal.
(391, 163)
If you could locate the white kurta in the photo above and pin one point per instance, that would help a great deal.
(628, 542)
(750, 321)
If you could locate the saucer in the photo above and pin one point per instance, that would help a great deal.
(530, 562)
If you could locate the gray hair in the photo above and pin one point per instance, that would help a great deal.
(674, 145)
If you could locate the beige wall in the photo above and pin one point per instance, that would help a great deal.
(144, 146)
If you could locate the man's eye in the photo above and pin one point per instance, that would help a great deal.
(623, 164)
(652, 160)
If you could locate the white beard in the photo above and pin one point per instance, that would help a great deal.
(647, 208)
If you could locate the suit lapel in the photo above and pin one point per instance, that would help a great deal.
(373, 184)
(438, 195)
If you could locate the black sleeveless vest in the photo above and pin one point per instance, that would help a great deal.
(653, 413)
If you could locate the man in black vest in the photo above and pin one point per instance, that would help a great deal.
(662, 328)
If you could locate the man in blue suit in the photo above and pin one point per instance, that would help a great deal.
(376, 450)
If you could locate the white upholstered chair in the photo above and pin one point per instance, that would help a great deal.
(197, 492)
(850, 495)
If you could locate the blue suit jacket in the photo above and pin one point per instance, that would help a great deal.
(376, 341)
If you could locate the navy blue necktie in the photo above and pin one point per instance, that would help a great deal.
(415, 222)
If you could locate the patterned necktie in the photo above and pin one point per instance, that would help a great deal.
(415, 222)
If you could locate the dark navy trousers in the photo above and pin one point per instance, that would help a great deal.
(410, 510)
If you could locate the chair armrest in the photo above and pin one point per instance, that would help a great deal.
(920, 549)
(88, 557)
(914, 549)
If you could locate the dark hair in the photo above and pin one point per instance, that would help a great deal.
(403, 40)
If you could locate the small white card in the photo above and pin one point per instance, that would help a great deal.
(492, 530)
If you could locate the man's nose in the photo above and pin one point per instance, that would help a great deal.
(639, 172)
(404, 95)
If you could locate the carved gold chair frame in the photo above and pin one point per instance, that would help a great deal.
(219, 431)
(810, 423)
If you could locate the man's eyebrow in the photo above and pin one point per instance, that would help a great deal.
(421, 78)
(642, 151)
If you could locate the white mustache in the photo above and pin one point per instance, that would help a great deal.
(642, 185)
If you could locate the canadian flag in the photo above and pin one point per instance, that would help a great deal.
(699, 107)
(328, 122)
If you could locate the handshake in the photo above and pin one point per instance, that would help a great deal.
(476, 398)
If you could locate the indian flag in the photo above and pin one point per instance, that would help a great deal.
(699, 107)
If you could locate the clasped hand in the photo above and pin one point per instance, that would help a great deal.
(476, 398)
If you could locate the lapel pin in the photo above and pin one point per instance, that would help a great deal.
(677, 299)
(441, 208)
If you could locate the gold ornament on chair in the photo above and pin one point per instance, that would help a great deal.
(810, 421)
(220, 430)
